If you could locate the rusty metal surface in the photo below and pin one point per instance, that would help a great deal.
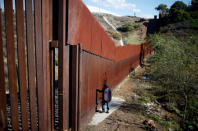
(79, 86)
(54, 44)
(46, 35)
(84, 83)
(83, 28)
(97, 71)
(100, 61)
(74, 86)
(39, 61)
(3, 112)
(51, 68)
(22, 61)
(96, 33)
(12, 76)
(96, 41)
(52, 64)
(52, 89)
(31, 62)
(84, 38)
(104, 63)
(73, 21)
(63, 69)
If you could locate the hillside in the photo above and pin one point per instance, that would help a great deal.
(111, 24)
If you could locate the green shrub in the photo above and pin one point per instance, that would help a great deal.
(186, 15)
(167, 124)
(56, 61)
(128, 27)
(179, 15)
(115, 35)
(179, 5)
(191, 120)
(194, 23)
(174, 67)
(194, 5)
(194, 14)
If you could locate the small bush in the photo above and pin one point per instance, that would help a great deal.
(128, 27)
(194, 14)
(179, 15)
(194, 24)
(167, 124)
(174, 67)
(179, 5)
(114, 34)
(56, 62)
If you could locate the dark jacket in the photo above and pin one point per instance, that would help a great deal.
(107, 94)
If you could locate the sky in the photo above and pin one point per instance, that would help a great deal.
(141, 8)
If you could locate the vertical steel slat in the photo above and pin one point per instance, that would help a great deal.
(52, 56)
(79, 86)
(22, 61)
(39, 62)
(74, 85)
(3, 112)
(11, 63)
(46, 65)
(52, 89)
(31, 63)
(42, 24)
(63, 69)
(86, 83)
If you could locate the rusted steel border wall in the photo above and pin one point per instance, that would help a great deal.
(96, 71)
(101, 60)
(25, 98)
(81, 72)
(83, 28)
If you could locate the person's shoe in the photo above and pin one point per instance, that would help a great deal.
(103, 111)
(107, 112)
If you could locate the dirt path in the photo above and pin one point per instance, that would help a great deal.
(131, 116)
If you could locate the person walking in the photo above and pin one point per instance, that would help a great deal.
(107, 96)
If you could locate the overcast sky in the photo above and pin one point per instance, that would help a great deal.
(142, 8)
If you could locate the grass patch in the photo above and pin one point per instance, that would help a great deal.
(194, 23)
(56, 61)
(146, 96)
(114, 34)
(128, 27)
(132, 38)
(165, 123)
(146, 99)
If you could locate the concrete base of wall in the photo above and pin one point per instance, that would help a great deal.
(114, 105)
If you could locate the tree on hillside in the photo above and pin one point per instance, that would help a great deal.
(178, 12)
(179, 15)
(193, 10)
(194, 4)
(179, 5)
(162, 8)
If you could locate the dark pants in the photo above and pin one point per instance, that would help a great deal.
(103, 104)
